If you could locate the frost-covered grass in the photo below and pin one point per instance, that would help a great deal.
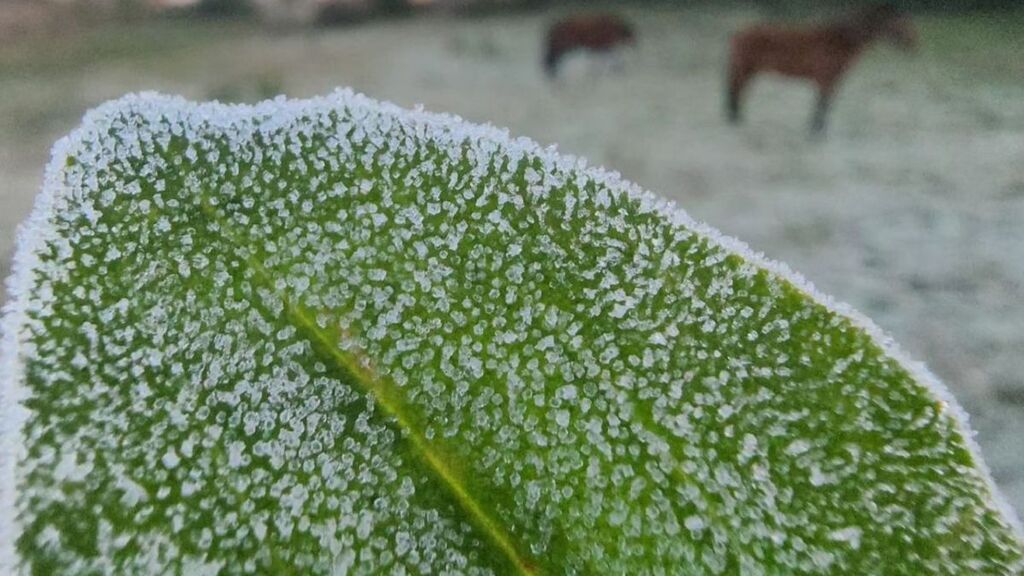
(910, 210)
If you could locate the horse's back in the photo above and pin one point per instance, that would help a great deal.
(594, 31)
(761, 39)
(786, 50)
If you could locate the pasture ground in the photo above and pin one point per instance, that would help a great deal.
(912, 209)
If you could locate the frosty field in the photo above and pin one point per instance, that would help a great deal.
(910, 210)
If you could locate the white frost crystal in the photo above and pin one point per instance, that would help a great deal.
(334, 336)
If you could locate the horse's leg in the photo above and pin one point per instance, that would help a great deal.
(552, 58)
(827, 82)
(821, 108)
(739, 76)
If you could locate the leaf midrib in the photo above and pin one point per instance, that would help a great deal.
(389, 398)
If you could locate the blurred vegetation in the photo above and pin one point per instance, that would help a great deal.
(50, 17)
(328, 12)
(802, 7)
(333, 11)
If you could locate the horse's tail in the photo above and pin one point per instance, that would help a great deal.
(732, 103)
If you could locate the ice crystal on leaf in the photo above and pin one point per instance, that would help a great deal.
(334, 336)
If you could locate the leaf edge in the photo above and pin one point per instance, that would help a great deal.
(34, 233)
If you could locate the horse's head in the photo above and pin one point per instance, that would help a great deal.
(625, 34)
(901, 32)
(891, 24)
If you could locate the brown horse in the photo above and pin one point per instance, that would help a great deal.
(595, 33)
(821, 54)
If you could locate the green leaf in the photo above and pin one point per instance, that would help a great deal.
(334, 335)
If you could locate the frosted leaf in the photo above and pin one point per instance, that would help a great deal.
(332, 335)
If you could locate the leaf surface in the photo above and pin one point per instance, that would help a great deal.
(336, 336)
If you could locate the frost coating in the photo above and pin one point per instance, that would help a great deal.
(333, 335)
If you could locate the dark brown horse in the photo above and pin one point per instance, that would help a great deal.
(592, 32)
(821, 54)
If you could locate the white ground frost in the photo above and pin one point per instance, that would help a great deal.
(332, 335)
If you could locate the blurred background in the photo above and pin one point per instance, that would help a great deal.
(911, 208)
